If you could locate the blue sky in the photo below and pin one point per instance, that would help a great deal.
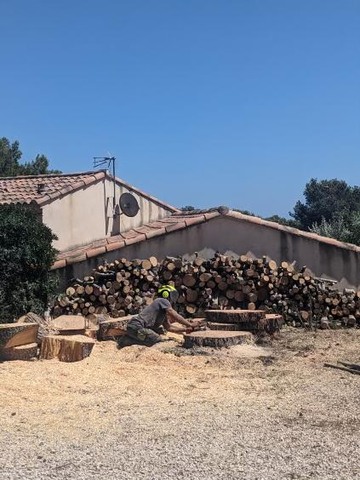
(202, 102)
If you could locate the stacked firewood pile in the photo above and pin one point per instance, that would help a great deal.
(124, 287)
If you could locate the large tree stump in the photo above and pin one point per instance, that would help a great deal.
(216, 338)
(19, 352)
(234, 316)
(224, 326)
(67, 348)
(273, 323)
(115, 327)
(14, 334)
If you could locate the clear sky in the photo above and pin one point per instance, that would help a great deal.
(202, 102)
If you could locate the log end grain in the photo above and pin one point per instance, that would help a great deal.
(113, 328)
(216, 338)
(68, 323)
(223, 326)
(19, 352)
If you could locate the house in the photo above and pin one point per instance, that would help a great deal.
(83, 211)
(82, 207)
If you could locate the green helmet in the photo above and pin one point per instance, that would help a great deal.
(169, 292)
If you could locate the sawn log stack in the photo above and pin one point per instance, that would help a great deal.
(124, 287)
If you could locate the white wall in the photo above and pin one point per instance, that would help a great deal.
(86, 215)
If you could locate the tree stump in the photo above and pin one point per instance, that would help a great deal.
(67, 348)
(223, 326)
(216, 338)
(115, 327)
(14, 334)
(234, 316)
(69, 324)
(19, 352)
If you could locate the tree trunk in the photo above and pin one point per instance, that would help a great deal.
(19, 352)
(224, 326)
(234, 316)
(71, 348)
(113, 328)
(15, 334)
(216, 338)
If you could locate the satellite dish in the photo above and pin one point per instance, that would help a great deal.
(129, 205)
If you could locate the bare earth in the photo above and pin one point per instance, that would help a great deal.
(159, 413)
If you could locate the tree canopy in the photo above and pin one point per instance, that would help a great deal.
(10, 166)
(326, 199)
(331, 209)
(26, 255)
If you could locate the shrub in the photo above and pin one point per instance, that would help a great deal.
(26, 255)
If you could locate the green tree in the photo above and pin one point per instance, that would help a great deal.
(326, 200)
(10, 156)
(282, 221)
(39, 166)
(188, 208)
(26, 255)
(336, 228)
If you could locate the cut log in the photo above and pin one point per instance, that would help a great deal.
(234, 316)
(273, 323)
(95, 319)
(20, 352)
(69, 324)
(92, 332)
(72, 348)
(14, 334)
(223, 326)
(113, 328)
(216, 338)
(45, 327)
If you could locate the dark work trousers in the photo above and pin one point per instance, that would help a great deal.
(142, 336)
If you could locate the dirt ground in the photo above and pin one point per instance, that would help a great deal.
(252, 412)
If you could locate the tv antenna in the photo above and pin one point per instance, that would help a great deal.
(109, 161)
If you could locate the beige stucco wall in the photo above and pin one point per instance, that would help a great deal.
(85, 215)
(77, 217)
(240, 237)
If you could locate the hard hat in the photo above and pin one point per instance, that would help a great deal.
(169, 292)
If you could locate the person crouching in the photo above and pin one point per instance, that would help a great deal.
(154, 320)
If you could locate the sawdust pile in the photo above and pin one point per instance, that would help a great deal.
(246, 412)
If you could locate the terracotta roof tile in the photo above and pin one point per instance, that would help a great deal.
(76, 258)
(115, 238)
(114, 246)
(41, 189)
(155, 233)
(137, 239)
(194, 220)
(58, 264)
(175, 226)
(94, 252)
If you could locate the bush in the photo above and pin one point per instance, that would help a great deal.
(26, 255)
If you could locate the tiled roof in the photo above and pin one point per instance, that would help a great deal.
(41, 189)
(175, 222)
